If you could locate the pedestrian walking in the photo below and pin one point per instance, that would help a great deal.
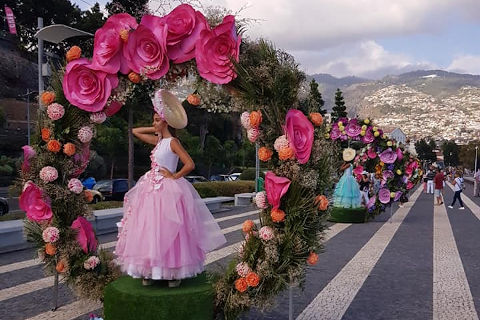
(457, 188)
(438, 181)
(430, 176)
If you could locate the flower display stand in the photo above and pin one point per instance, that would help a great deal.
(348, 215)
(126, 299)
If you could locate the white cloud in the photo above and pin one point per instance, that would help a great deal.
(465, 64)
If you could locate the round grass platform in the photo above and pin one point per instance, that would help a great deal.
(127, 299)
(348, 215)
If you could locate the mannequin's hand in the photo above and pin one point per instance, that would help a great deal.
(166, 173)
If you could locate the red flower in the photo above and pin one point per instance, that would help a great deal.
(85, 236)
(275, 187)
(34, 203)
(299, 132)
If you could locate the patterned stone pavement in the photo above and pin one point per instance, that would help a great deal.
(423, 264)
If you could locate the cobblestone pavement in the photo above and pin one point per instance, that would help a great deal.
(423, 264)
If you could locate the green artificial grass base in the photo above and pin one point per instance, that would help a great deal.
(348, 215)
(127, 299)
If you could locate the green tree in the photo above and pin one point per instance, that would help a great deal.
(425, 150)
(339, 110)
(450, 153)
(466, 155)
(314, 101)
(112, 140)
(213, 153)
(136, 8)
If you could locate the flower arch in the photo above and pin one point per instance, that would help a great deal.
(157, 51)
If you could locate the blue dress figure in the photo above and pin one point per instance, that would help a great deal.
(347, 191)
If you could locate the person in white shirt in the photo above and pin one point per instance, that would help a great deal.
(457, 187)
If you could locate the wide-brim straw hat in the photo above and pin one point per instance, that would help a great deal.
(167, 105)
(348, 154)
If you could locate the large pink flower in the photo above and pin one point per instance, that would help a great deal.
(85, 236)
(275, 187)
(184, 27)
(388, 156)
(146, 50)
(35, 203)
(335, 133)
(86, 88)
(353, 129)
(384, 195)
(368, 137)
(28, 154)
(371, 153)
(399, 154)
(299, 132)
(358, 170)
(214, 51)
(410, 185)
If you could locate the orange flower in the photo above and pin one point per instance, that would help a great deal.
(69, 149)
(265, 154)
(241, 285)
(247, 226)
(194, 99)
(124, 35)
(252, 279)
(316, 118)
(88, 196)
(61, 266)
(255, 118)
(322, 202)
(54, 146)
(74, 53)
(134, 77)
(277, 215)
(47, 97)
(50, 249)
(46, 134)
(286, 153)
(312, 258)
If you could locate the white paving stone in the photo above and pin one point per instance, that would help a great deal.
(452, 298)
(333, 301)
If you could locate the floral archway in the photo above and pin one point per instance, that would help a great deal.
(155, 53)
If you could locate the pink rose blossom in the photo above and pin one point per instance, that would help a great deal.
(214, 51)
(86, 88)
(146, 51)
(299, 132)
(261, 200)
(252, 134)
(371, 153)
(387, 174)
(85, 236)
(358, 170)
(98, 117)
(275, 187)
(242, 269)
(266, 233)
(245, 120)
(28, 154)
(368, 137)
(184, 28)
(48, 174)
(91, 263)
(280, 143)
(50, 234)
(384, 195)
(399, 154)
(55, 111)
(35, 203)
(353, 129)
(85, 134)
(388, 156)
(75, 185)
(371, 202)
(335, 133)
(410, 185)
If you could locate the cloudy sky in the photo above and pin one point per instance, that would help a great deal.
(366, 38)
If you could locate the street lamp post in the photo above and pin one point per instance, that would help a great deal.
(475, 174)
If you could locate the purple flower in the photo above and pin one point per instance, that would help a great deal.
(371, 202)
(390, 166)
(398, 194)
(384, 195)
(353, 129)
(399, 154)
(387, 174)
(335, 133)
(388, 156)
(368, 137)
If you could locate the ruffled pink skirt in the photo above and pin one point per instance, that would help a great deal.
(166, 230)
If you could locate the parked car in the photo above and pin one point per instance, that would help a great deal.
(97, 196)
(112, 189)
(221, 177)
(195, 179)
(234, 176)
(89, 182)
(3, 206)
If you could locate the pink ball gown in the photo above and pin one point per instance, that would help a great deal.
(166, 227)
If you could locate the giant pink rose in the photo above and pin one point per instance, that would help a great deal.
(184, 27)
(86, 88)
(358, 170)
(85, 236)
(353, 129)
(107, 49)
(146, 50)
(399, 154)
(299, 132)
(214, 51)
(275, 187)
(35, 203)
(368, 137)
(371, 153)
(28, 154)
(388, 156)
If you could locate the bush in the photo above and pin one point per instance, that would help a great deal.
(106, 205)
(223, 188)
(249, 174)
(6, 170)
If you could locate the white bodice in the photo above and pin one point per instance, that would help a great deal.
(163, 156)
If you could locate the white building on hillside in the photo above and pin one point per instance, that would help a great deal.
(395, 133)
